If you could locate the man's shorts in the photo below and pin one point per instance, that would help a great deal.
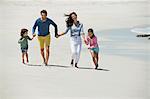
(44, 41)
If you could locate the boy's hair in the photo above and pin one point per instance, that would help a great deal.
(90, 30)
(23, 31)
(44, 11)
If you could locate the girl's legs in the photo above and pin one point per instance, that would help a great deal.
(95, 58)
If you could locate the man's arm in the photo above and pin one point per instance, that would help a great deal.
(34, 28)
(55, 26)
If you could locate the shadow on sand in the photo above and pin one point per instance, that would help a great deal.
(63, 66)
(94, 68)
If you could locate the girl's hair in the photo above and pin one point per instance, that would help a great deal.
(69, 20)
(91, 30)
(23, 31)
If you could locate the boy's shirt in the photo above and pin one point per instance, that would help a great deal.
(24, 41)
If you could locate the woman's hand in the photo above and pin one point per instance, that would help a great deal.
(61, 34)
(57, 36)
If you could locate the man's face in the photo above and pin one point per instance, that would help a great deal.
(43, 16)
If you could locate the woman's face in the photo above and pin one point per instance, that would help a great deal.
(90, 34)
(74, 17)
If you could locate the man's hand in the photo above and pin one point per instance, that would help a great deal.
(34, 35)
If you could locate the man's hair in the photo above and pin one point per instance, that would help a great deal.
(23, 31)
(44, 11)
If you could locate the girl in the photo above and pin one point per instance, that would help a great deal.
(76, 31)
(23, 41)
(91, 40)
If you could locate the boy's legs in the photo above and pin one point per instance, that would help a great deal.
(27, 57)
(23, 57)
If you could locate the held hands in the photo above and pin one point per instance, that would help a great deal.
(33, 35)
(57, 35)
(84, 39)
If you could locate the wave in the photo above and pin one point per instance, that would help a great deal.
(145, 30)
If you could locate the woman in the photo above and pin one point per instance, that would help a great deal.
(76, 31)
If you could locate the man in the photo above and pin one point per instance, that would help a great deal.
(44, 37)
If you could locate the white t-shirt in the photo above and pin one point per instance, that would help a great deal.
(75, 30)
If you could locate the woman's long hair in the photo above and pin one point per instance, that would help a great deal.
(69, 20)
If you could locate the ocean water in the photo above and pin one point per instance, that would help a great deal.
(123, 42)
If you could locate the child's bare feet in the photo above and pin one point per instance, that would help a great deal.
(96, 67)
(23, 61)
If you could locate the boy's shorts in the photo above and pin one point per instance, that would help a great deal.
(24, 50)
(44, 40)
(96, 50)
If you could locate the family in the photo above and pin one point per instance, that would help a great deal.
(74, 27)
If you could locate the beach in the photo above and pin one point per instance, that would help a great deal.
(124, 58)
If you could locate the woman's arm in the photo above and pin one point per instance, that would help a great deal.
(68, 28)
(62, 34)
(86, 40)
